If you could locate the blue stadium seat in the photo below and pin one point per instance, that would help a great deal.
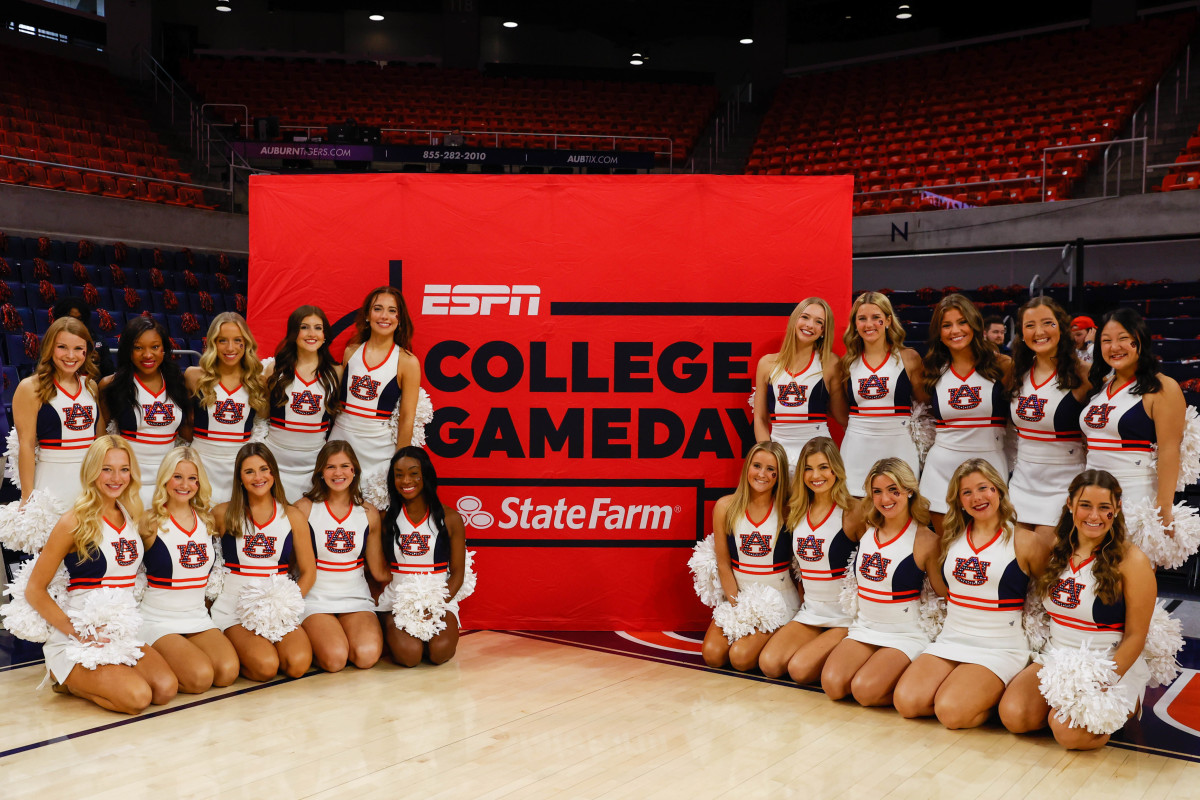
(8, 384)
(14, 350)
(68, 275)
(41, 321)
(26, 315)
(143, 304)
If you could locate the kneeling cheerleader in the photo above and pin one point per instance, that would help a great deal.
(1107, 641)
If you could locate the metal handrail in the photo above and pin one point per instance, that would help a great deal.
(118, 174)
(1106, 143)
(1174, 164)
(1036, 281)
(931, 187)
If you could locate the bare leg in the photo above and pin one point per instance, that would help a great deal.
(1075, 738)
(295, 653)
(364, 636)
(783, 644)
(844, 661)
(716, 647)
(220, 652)
(807, 662)
(111, 686)
(330, 646)
(406, 650)
(874, 684)
(919, 685)
(936, 522)
(443, 645)
(190, 664)
(259, 660)
(967, 697)
(743, 654)
(154, 670)
(1022, 707)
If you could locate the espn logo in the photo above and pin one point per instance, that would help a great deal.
(473, 299)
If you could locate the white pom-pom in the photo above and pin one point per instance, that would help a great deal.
(705, 578)
(759, 608)
(424, 415)
(469, 578)
(1147, 532)
(112, 428)
(26, 528)
(216, 576)
(1035, 621)
(921, 428)
(1189, 450)
(932, 611)
(848, 594)
(19, 617)
(374, 488)
(12, 453)
(268, 363)
(419, 606)
(271, 607)
(260, 431)
(753, 392)
(1081, 686)
(1164, 640)
(109, 614)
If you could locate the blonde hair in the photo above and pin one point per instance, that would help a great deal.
(854, 343)
(252, 370)
(741, 495)
(801, 495)
(44, 372)
(957, 519)
(89, 506)
(154, 517)
(897, 470)
(823, 346)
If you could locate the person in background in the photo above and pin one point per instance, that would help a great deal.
(1083, 334)
(996, 332)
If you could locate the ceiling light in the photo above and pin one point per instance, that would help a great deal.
(636, 55)
(223, 7)
(904, 15)
(509, 24)
(747, 40)
(637, 62)
(376, 18)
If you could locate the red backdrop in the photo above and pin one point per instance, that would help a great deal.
(589, 344)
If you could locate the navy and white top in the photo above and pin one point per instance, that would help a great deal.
(230, 420)
(879, 396)
(1047, 421)
(338, 543)
(889, 579)
(178, 563)
(302, 421)
(115, 562)
(1077, 615)
(798, 403)
(969, 412)
(1120, 434)
(266, 550)
(986, 586)
(417, 547)
(757, 549)
(371, 392)
(149, 424)
(66, 424)
(823, 554)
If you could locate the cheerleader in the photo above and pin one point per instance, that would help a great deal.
(964, 377)
(302, 388)
(1099, 590)
(227, 392)
(1049, 385)
(146, 397)
(894, 556)
(100, 547)
(381, 376)
(882, 378)
(433, 544)
(262, 535)
(339, 613)
(177, 529)
(825, 529)
(986, 563)
(793, 396)
(752, 548)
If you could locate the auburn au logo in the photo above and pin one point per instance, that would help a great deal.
(126, 551)
(364, 387)
(873, 387)
(810, 548)
(964, 397)
(78, 417)
(259, 545)
(971, 571)
(229, 412)
(339, 540)
(874, 566)
(193, 554)
(1031, 408)
(414, 544)
(1097, 415)
(158, 413)
(1065, 593)
(754, 543)
(306, 402)
(790, 394)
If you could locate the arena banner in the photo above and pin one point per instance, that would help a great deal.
(589, 343)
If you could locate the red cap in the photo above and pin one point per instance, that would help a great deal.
(1083, 323)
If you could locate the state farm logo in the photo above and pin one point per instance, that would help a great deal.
(475, 299)
(602, 513)
(471, 509)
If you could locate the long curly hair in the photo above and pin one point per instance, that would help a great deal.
(779, 494)
(404, 324)
(252, 370)
(1145, 377)
(801, 495)
(824, 344)
(45, 369)
(898, 471)
(156, 515)
(237, 514)
(937, 355)
(1106, 568)
(319, 492)
(121, 392)
(429, 491)
(285, 362)
(89, 506)
(1066, 362)
(957, 520)
(894, 333)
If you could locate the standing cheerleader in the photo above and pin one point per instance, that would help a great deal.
(964, 377)
(881, 377)
(339, 613)
(986, 564)
(794, 388)
(263, 535)
(227, 392)
(99, 544)
(1099, 591)
(177, 528)
(146, 397)
(423, 538)
(381, 377)
(825, 530)
(1049, 385)
(753, 550)
(303, 392)
(894, 556)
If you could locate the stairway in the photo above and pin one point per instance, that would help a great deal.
(731, 157)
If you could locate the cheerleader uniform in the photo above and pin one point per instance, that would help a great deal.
(969, 413)
(66, 428)
(341, 584)
(265, 551)
(178, 562)
(1120, 439)
(1078, 617)
(823, 554)
(298, 429)
(984, 604)
(219, 431)
(798, 404)
(880, 401)
(1050, 450)
(889, 593)
(149, 426)
(114, 565)
(369, 396)
(762, 553)
(415, 548)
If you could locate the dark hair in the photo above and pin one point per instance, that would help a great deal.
(1065, 359)
(1145, 376)
(362, 322)
(64, 307)
(428, 489)
(285, 362)
(237, 513)
(992, 320)
(319, 492)
(1106, 568)
(121, 393)
(937, 356)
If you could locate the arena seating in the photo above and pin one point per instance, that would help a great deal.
(398, 96)
(1186, 176)
(77, 116)
(968, 117)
